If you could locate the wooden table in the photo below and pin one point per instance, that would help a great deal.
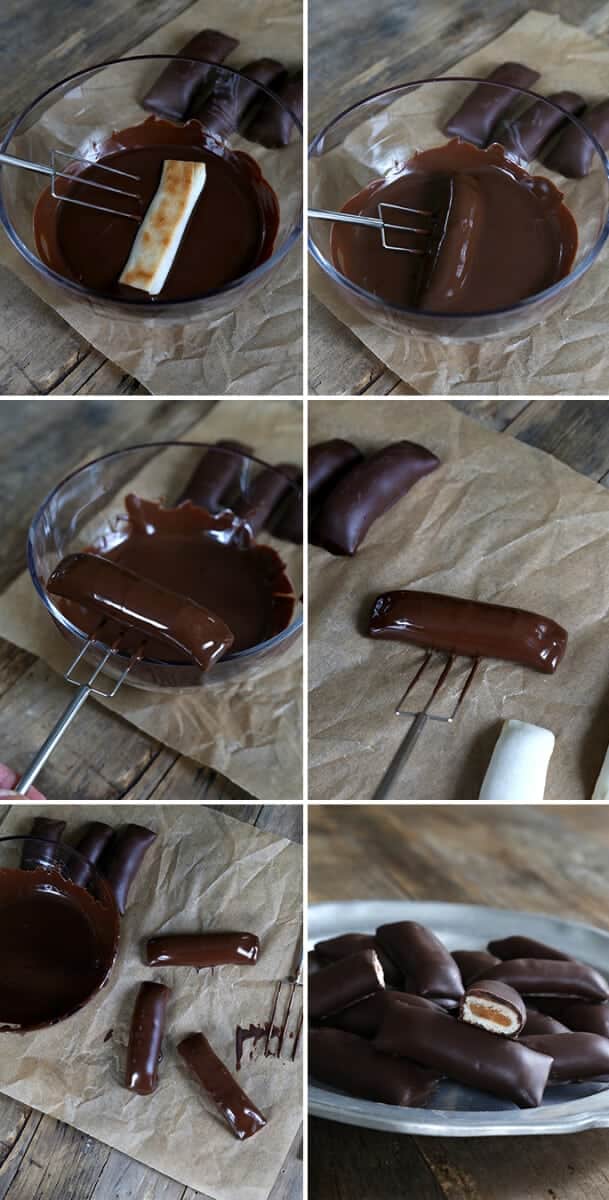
(45, 1159)
(356, 49)
(549, 859)
(102, 757)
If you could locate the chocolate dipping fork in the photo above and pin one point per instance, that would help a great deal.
(293, 982)
(25, 164)
(384, 223)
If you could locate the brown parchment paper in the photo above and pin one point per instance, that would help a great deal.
(205, 871)
(568, 351)
(249, 727)
(498, 521)
(257, 348)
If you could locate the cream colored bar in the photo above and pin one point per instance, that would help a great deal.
(159, 236)
(519, 764)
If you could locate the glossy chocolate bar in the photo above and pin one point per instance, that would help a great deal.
(238, 1110)
(527, 134)
(122, 859)
(473, 964)
(272, 125)
(471, 1056)
(343, 983)
(517, 946)
(145, 1039)
(217, 473)
(202, 949)
(174, 91)
(328, 462)
(47, 832)
(333, 949)
(573, 153)
(264, 494)
(368, 491)
(429, 969)
(494, 1006)
(350, 1063)
(552, 977)
(448, 280)
(538, 1022)
(91, 845)
(582, 1018)
(469, 627)
(576, 1056)
(366, 1017)
(231, 96)
(480, 111)
(154, 611)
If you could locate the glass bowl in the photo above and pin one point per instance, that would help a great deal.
(376, 137)
(89, 505)
(79, 113)
(61, 874)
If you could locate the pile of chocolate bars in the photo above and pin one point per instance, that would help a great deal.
(223, 103)
(394, 1013)
(484, 118)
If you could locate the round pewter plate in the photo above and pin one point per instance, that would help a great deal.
(456, 1111)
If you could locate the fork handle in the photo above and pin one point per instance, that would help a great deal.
(9, 160)
(324, 214)
(402, 754)
(54, 737)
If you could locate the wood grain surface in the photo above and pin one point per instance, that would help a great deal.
(356, 49)
(547, 859)
(44, 1159)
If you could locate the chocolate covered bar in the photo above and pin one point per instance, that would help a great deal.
(457, 249)
(238, 1110)
(538, 1022)
(469, 627)
(333, 949)
(368, 491)
(264, 494)
(145, 1039)
(91, 846)
(493, 1006)
(173, 93)
(343, 983)
(123, 858)
(473, 964)
(527, 134)
(289, 525)
(429, 969)
(581, 1017)
(552, 977)
(350, 1063)
(573, 153)
(272, 126)
(576, 1056)
(47, 832)
(215, 475)
(366, 1016)
(231, 96)
(517, 946)
(474, 120)
(471, 1056)
(328, 462)
(154, 611)
(202, 949)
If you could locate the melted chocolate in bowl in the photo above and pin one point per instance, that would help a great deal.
(231, 231)
(498, 235)
(57, 945)
(243, 583)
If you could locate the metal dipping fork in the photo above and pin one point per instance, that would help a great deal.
(55, 174)
(422, 715)
(384, 223)
(85, 690)
(293, 982)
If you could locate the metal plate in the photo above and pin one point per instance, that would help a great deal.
(456, 1111)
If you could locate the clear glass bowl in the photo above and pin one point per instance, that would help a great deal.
(375, 137)
(62, 860)
(81, 111)
(84, 508)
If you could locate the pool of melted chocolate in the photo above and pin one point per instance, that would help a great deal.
(494, 234)
(209, 559)
(231, 231)
(57, 946)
